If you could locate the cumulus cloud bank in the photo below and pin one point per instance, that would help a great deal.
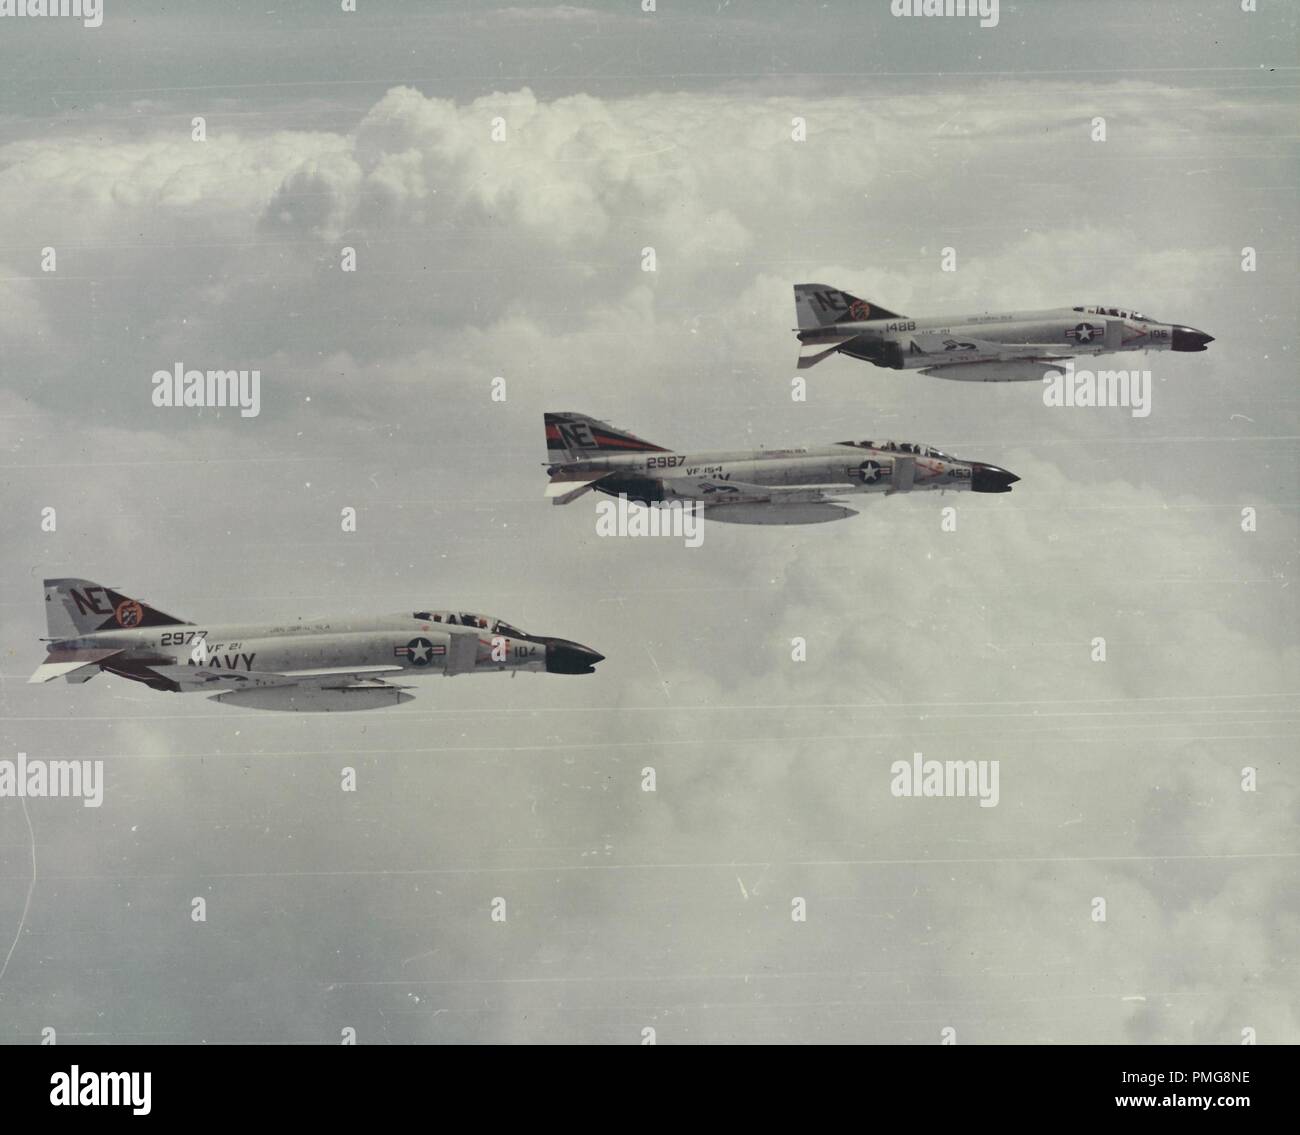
(522, 258)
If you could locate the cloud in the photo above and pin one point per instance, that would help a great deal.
(522, 259)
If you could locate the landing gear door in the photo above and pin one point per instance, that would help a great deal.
(904, 473)
(1114, 334)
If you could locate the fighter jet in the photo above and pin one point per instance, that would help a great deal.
(770, 486)
(316, 666)
(1007, 347)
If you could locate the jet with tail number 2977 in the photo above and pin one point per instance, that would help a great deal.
(1007, 347)
(769, 486)
(315, 666)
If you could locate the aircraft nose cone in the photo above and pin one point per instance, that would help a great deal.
(1189, 339)
(565, 657)
(990, 478)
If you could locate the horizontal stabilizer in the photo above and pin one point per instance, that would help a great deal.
(806, 361)
(71, 664)
(562, 490)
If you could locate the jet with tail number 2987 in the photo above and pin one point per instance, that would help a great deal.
(1007, 347)
(769, 486)
(315, 666)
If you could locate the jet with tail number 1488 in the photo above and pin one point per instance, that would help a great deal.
(994, 347)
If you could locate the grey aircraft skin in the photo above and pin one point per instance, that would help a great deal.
(1017, 346)
(771, 486)
(315, 665)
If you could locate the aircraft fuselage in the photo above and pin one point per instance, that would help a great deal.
(1007, 346)
(850, 467)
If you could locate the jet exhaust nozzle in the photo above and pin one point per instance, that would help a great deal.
(1189, 339)
(565, 657)
(991, 479)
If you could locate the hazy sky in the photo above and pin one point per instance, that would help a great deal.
(522, 259)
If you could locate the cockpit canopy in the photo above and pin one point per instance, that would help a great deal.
(1117, 313)
(900, 447)
(468, 619)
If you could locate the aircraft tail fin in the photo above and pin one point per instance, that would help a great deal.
(75, 607)
(576, 437)
(820, 305)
